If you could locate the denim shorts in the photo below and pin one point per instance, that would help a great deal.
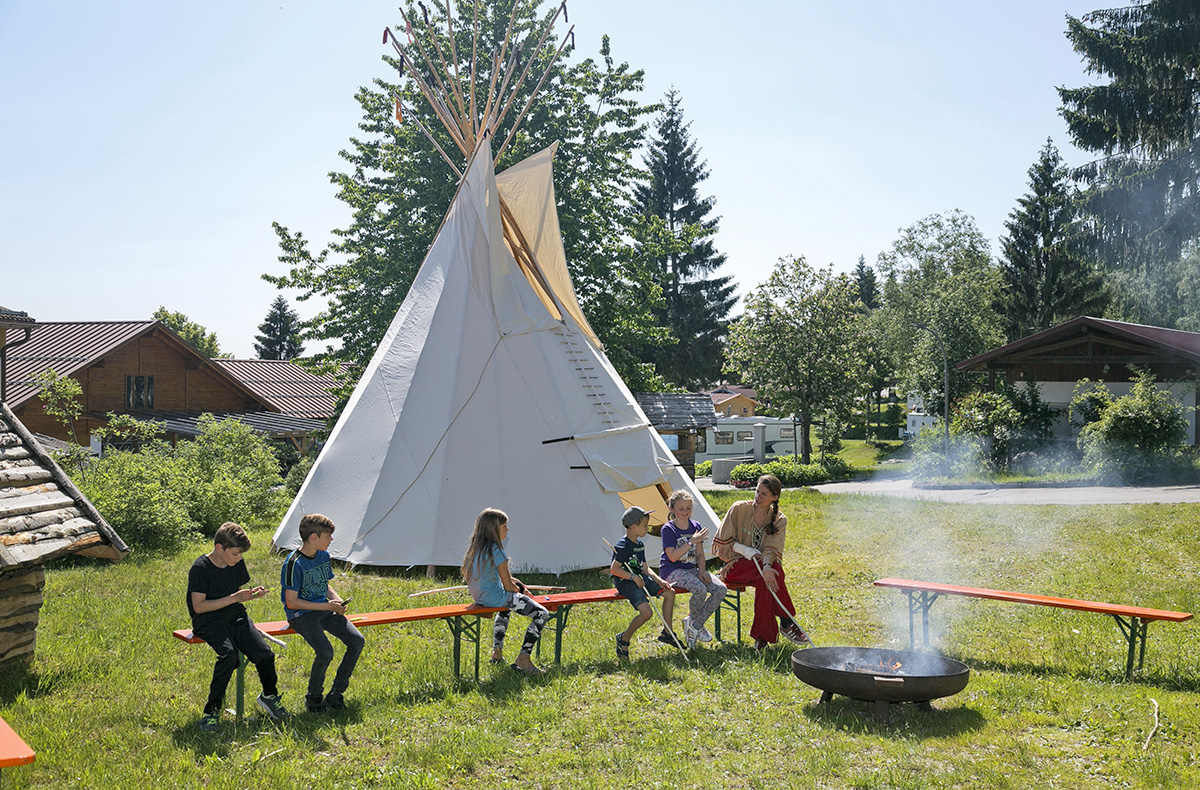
(636, 595)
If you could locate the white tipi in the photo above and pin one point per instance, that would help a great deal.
(489, 390)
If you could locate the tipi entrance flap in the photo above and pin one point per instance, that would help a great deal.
(623, 459)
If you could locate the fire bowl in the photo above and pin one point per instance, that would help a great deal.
(880, 676)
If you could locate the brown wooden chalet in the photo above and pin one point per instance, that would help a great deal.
(1100, 350)
(141, 368)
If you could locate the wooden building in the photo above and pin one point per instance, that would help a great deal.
(42, 516)
(733, 400)
(1101, 350)
(141, 368)
(681, 419)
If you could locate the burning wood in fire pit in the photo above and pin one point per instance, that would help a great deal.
(880, 667)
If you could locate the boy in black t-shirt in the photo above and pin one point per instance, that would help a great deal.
(636, 580)
(214, 600)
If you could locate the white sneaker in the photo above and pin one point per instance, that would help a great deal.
(690, 634)
(703, 635)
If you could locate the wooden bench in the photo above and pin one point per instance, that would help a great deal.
(464, 621)
(1132, 620)
(13, 750)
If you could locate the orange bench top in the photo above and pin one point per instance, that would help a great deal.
(552, 602)
(13, 750)
(1038, 600)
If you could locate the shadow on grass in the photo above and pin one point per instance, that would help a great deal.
(1155, 678)
(18, 678)
(310, 729)
(907, 720)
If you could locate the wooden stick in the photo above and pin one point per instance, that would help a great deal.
(549, 588)
(434, 143)
(496, 61)
(439, 108)
(532, 96)
(270, 638)
(474, 54)
(452, 125)
(532, 58)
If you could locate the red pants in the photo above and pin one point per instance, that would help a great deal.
(766, 610)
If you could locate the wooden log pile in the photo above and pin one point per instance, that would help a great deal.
(42, 516)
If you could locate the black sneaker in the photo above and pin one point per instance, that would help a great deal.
(668, 638)
(273, 707)
(334, 702)
(209, 722)
(315, 706)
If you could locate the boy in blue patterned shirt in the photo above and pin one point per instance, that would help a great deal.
(314, 607)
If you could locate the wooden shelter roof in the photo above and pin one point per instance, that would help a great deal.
(670, 411)
(1088, 341)
(289, 388)
(42, 514)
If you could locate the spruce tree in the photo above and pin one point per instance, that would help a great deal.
(868, 284)
(1047, 279)
(696, 303)
(1144, 196)
(280, 338)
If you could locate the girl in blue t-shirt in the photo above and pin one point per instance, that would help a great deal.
(682, 565)
(485, 570)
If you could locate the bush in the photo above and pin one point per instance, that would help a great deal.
(161, 496)
(1137, 438)
(296, 476)
(1008, 422)
(790, 472)
(968, 456)
(703, 469)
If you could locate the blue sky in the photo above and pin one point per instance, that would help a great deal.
(149, 145)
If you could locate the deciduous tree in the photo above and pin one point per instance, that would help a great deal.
(193, 334)
(799, 343)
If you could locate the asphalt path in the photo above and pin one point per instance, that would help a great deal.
(1007, 495)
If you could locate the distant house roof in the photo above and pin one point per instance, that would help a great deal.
(1091, 341)
(71, 346)
(14, 317)
(42, 514)
(274, 426)
(289, 388)
(727, 391)
(669, 411)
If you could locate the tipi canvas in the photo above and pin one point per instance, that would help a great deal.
(489, 390)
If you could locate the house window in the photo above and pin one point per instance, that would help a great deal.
(722, 437)
(701, 442)
(745, 436)
(139, 392)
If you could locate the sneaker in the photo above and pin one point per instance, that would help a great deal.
(689, 633)
(761, 644)
(273, 707)
(703, 635)
(315, 706)
(622, 647)
(334, 702)
(796, 634)
(668, 638)
(209, 722)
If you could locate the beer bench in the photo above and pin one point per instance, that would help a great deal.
(464, 622)
(13, 750)
(1132, 620)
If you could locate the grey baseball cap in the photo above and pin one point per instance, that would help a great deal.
(633, 515)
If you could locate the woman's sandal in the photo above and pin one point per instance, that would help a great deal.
(622, 648)
(532, 671)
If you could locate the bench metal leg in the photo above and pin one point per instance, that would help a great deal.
(919, 601)
(468, 626)
(241, 685)
(1134, 629)
(560, 625)
(733, 602)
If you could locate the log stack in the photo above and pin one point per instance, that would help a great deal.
(43, 515)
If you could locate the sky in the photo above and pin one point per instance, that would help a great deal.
(148, 145)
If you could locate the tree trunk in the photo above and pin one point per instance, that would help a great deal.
(805, 439)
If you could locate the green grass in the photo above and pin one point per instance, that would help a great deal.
(112, 699)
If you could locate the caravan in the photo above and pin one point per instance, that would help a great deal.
(733, 437)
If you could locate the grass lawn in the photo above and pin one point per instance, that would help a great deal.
(112, 699)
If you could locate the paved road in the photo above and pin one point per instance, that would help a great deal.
(1008, 495)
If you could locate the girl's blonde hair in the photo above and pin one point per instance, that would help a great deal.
(676, 496)
(485, 539)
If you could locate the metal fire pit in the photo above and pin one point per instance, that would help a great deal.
(880, 676)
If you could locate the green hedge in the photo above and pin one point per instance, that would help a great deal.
(791, 472)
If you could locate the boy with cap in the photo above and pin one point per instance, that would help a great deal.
(634, 579)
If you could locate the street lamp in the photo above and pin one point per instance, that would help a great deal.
(946, 397)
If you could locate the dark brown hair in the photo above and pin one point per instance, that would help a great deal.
(314, 524)
(232, 536)
(776, 488)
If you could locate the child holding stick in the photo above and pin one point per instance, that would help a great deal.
(633, 579)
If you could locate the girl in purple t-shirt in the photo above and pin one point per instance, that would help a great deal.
(682, 565)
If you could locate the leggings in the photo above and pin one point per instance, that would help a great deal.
(705, 597)
(521, 604)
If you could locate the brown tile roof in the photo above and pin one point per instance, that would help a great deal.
(294, 390)
(42, 514)
(14, 317)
